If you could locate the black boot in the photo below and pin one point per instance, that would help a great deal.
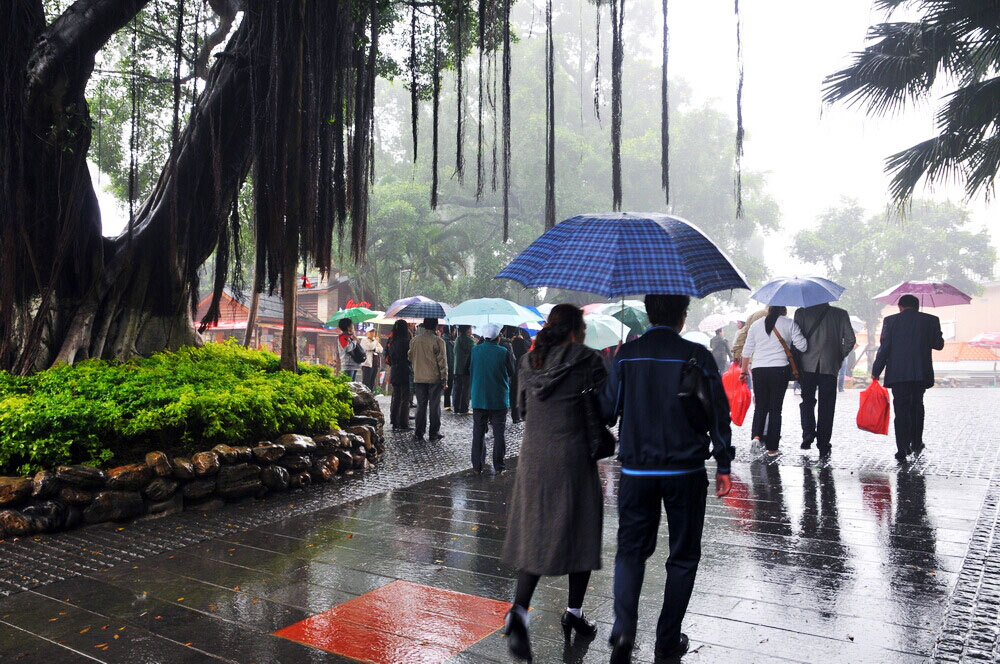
(622, 651)
(585, 628)
(516, 631)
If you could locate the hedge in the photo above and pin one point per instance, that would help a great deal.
(97, 411)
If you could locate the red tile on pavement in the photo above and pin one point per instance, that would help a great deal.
(399, 623)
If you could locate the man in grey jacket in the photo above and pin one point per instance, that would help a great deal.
(830, 339)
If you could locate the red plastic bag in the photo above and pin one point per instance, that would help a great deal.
(738, 394)
(873, 412)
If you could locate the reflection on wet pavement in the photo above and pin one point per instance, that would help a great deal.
(799, 563)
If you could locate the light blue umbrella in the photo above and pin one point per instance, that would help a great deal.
(491, 310)
(798, 291)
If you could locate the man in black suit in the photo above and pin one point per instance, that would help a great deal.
(830, 336)
(905, 353)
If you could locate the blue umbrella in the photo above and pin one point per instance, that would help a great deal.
(621, 254)
(491, 310)
(798, 291)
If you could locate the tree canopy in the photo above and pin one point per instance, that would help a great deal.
(868, 254)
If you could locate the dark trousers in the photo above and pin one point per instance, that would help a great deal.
(368, 375)
(515, 412)
(497, 419)
(769, 387)
(639, 499)
(908, 403)
(460, 394)
(399, 407)
(818, 428)
(428, 399)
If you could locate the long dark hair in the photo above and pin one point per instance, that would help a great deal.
(400, 330)
(563, 322)
(772, 317)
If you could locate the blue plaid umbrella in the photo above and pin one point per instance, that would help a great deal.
(621, 254)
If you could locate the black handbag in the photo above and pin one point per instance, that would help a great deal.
(358, 353)
(599, 438)
(696, 397)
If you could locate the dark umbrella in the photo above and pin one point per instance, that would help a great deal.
(621, 254)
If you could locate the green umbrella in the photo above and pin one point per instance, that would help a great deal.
(356, 314)
(630, 312)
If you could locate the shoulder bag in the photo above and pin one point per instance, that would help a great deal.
(357, 353)
(600, 440)
(696, 397)
(788, 353)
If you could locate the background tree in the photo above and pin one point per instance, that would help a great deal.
(955, 40)
(868, 254)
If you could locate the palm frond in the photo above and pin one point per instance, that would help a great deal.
(902, 66)
(983, 163)
(936, 159)
(969, 111)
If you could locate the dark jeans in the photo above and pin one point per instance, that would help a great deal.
(460, 394)
(769, 387)
(449, 391)
(908, 403)
(498, 420)
(399, 407)
(820, 430)
(368, 375)
(639, 499)
(428, 394)
(515, 412)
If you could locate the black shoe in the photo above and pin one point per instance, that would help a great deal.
(417, 438)
(900, 456)
(622, 651)
(824, 454)
(584, 628)
(806, 444)
(516, 631)
(673, 654)
(917, 449)
(437, 436)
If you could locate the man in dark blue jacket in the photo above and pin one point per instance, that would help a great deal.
(663, 462)
(905, 354)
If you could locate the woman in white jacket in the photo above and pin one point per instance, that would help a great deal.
(769, 343)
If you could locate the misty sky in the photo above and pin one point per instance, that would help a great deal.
(814, 155)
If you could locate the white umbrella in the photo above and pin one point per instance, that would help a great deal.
(698, 337)
(712, 323)
(491, 310)
(857, 324)
(545, 309)
(604, 331)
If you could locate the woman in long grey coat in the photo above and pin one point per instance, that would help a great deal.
(556, 508)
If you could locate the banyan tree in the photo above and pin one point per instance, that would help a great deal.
(287, 103)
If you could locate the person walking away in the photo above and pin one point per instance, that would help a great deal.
(397, 355)
(463, 355)
(449, 344)
(556, 508)
(373, 351)
(520, 346)
(768, 347)
(429, 358)
(662, 463)
(829, 337)
(348, 345)
(905, 355)
(720, 350)
(491, 367)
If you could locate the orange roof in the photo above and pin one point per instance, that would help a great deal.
(959, 351)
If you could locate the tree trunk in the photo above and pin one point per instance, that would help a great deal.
(76, 294)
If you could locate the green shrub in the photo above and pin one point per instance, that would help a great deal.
(97, 411)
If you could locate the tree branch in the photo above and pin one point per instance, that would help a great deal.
(64, 58)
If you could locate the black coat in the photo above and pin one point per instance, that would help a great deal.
(397, 355)
(905, 351)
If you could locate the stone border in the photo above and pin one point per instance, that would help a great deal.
(71, 496)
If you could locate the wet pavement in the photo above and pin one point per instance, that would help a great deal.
(856, 561)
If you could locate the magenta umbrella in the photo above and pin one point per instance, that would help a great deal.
(986, 340)
(930, 294)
